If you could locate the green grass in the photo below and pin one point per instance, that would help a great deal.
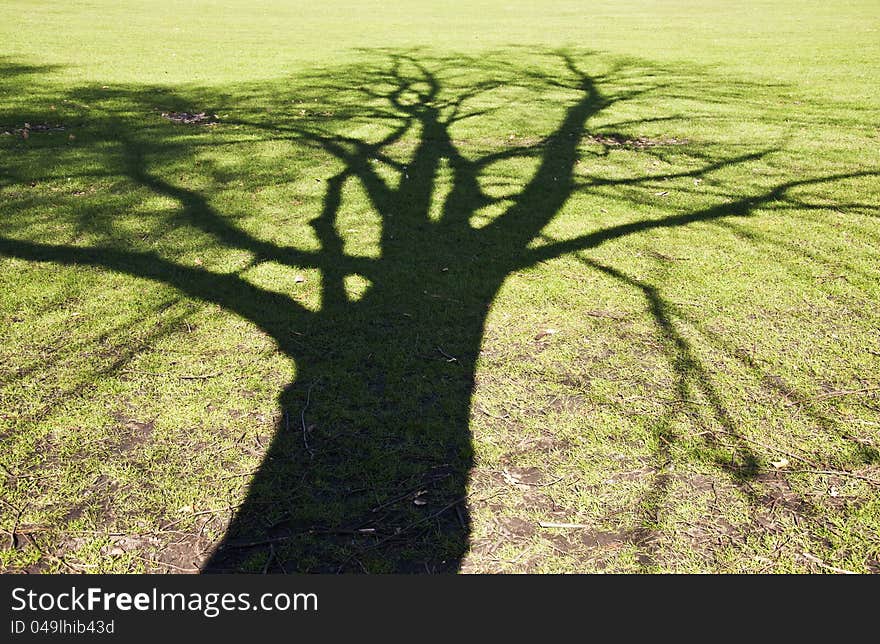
(436, 279)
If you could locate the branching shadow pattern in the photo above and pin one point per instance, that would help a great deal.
(390, 409)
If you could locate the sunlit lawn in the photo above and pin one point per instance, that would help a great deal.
(426, 287)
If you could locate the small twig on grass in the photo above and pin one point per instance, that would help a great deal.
(830, 278)
(574, 526)
(834, 394)
(518, 557)
(822, 564)
(512, 479)
(415, 524)
(505, 417)
(407, 494)
(448, 357)
(609, 315)
(269, 558)
(80, 569)
(424, 519)
(767, 447)
(668, 258)
(18, 476)
(53, 557)
(13, 535)
(238, 476)
(214, 511)
(181, 377)
(838, 473)
(404, 530)
(460, 515)
(680, 401)
(303, 419)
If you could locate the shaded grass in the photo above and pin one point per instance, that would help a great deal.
(315, 325)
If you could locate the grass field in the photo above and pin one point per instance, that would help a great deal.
(428, 287)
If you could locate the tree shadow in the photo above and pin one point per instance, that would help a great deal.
(368, 469)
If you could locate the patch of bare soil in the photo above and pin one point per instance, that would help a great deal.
(776, 492)
(30, 128)
(523, 476)
(137, 433)
(514, 527)
(638, 143)
(190, 118)
(587, 548)
(629, 476)
(548, 446)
